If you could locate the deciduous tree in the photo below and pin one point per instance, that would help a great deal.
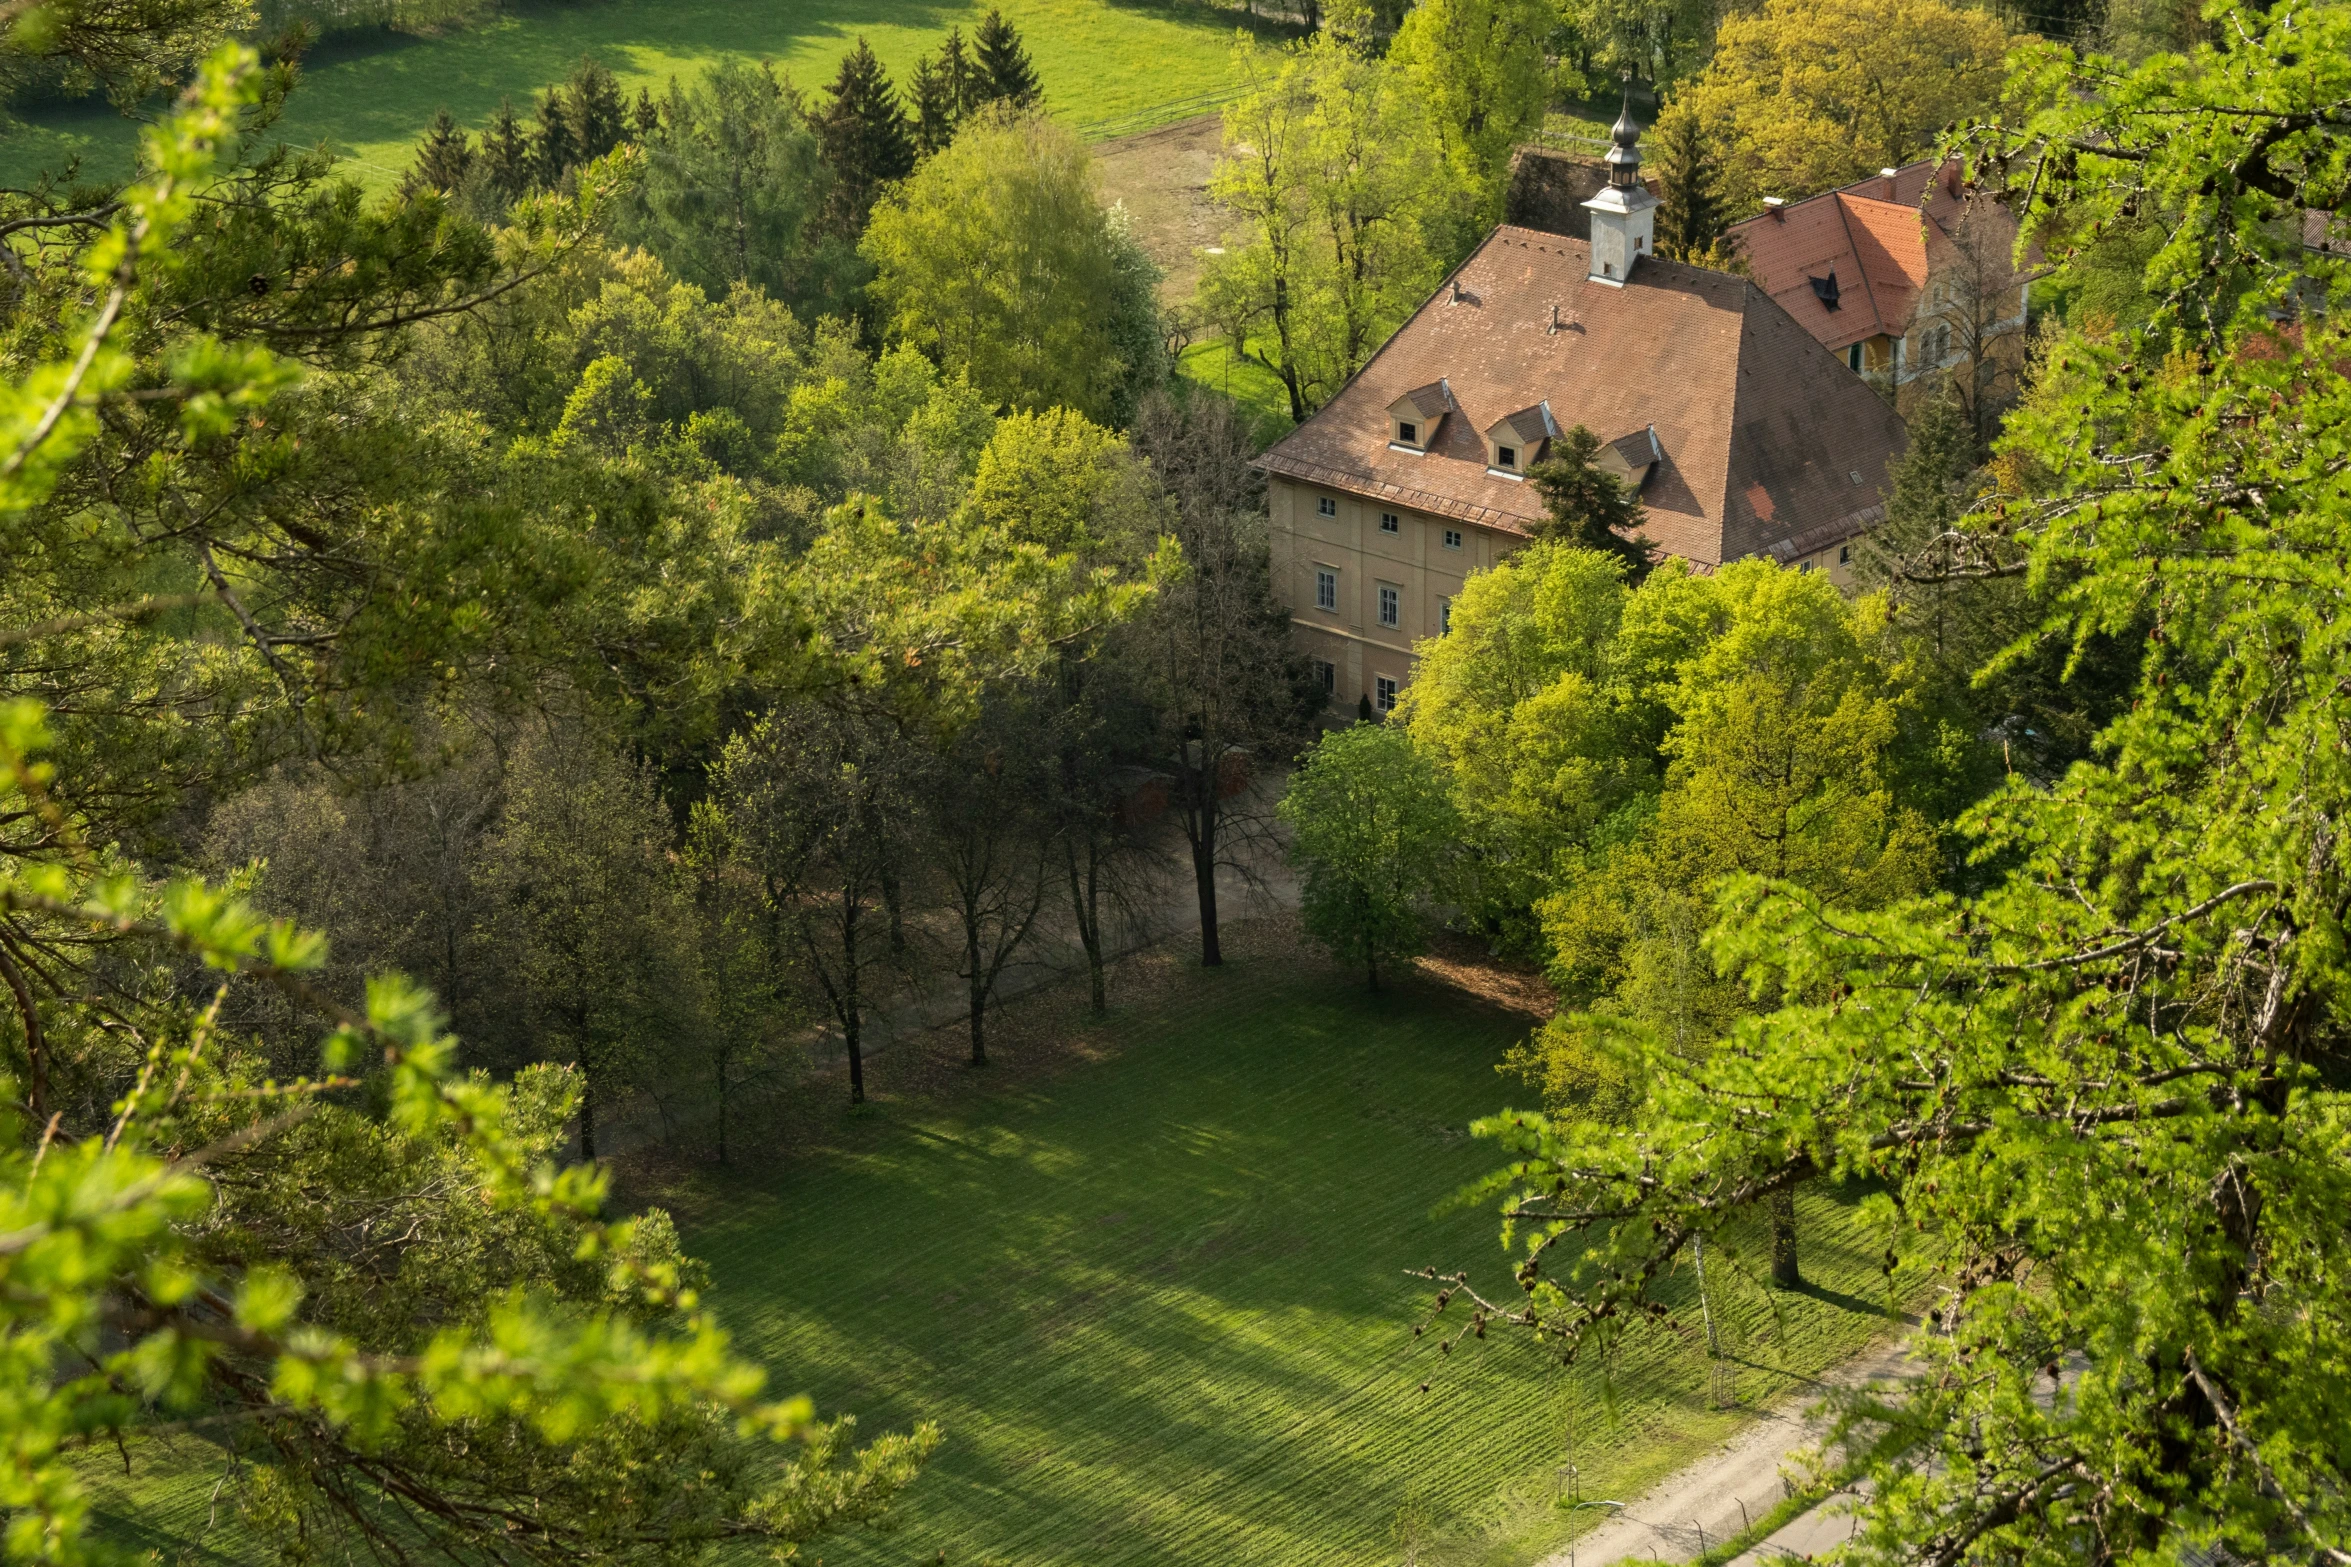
(997, 259)
(1371, 826)
(1802, 97)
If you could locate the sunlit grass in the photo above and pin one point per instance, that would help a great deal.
(369, 96)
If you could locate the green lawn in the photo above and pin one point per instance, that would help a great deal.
(1156, 1298)
(1158, 1302)
(370, 96)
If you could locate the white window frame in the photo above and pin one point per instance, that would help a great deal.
(1391, 606)
(1444, 617)
(1326, 589)
(1452, 538)
(1391, 523)
(1383, 698)
(1325, 506)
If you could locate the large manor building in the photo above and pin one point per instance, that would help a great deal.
(1741, 432)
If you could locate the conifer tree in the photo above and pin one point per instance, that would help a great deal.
(506, 152)
(1005, 71)
(863, 135)
(1691, 219)
(934, 107)
(962, 76)
(1587, 505)
(442, 158)
(645, 118)
(554, 140)
(599, 114)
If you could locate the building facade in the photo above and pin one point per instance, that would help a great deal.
(1906, 276)
(1740, 432)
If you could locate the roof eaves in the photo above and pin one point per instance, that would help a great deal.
(1379, 489)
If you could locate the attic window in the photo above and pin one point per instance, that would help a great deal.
(1506, 457)
(1853, 356)
(1389, 524)
(1824, 289)
(1407, 433)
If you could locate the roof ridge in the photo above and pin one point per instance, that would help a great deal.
(1877, 317)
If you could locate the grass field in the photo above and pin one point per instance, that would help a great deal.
(1154, 1292)
(369, 96)
(1158, 1303)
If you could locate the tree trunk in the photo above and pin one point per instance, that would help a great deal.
(722, 1110)
(1085, 904)
(1782, 1208)
(852, 1016)
(1371, 969)
(587, 1114)
(1204, 874)
(979, 997)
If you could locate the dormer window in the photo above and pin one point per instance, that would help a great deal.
(1516, 443)
(1414, 417)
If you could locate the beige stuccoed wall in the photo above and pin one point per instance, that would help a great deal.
(1413, 558)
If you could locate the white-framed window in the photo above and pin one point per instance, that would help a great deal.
(1324, 506)
(1326, 588)
(1391, 605)
(1389, 523)
(1383, 697)
(1452, 538)
(1444, 617)
(1326, 675)
(1506, 457)
(1844, 554)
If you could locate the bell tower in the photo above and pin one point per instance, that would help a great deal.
(1624, 216)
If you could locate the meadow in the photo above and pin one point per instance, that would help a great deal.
(1113, 65)
(1158, 1299)
(1149, 1276)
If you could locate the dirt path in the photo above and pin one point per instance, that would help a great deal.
(1162, 176)
(1715, 1498)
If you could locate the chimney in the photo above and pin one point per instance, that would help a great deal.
(1777, 206)
(1624, 216)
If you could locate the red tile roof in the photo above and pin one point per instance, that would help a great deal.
(1770, 444)
(1874, 237)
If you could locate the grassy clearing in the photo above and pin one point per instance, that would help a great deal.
(1158, 1304)
(1149, 1276)
(1246, 381)
(369, 96)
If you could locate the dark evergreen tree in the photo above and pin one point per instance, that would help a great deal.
(1588, 505)
(555, 144)
(863, 135)
(934, 108)
(506, 153)
(645, 119)
(1691, 217)
(599, 114)
(960, 76)
(1005, 71)
(442, 158)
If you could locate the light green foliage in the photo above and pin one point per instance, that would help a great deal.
(1475, 68)
(1049, 479)
(997, 259)
(2103, 1096)
(1802, 97)
(1616, 752)
(1324, 161)
(1372, 828)
(1656, 40)
(732, 191)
